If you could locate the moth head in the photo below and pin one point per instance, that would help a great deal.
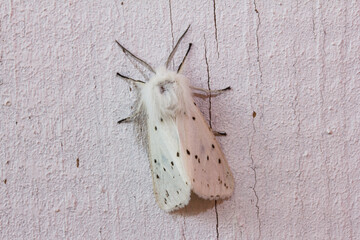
(164, 82)
(165, 91)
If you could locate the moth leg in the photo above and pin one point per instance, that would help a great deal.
(125, 120)
(130, 118)
(219, 133)
(209, 93)
(137, 83)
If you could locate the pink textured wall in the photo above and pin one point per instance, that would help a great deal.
(296, 164)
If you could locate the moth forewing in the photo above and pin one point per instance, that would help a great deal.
(204, 161)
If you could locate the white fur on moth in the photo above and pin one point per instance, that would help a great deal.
(183, 152)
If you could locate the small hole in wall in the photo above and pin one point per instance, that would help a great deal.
(77, 162)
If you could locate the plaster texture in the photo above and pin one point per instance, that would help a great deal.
(69, 171)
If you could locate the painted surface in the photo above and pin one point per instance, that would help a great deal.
(68, 171)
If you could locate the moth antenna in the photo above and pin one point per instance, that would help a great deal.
(137, 67)
(145, 64)
(174, 49)
(129, 78)
(187, 52)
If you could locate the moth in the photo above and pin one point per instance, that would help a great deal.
(183, 152)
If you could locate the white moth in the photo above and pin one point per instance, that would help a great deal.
(183, 152)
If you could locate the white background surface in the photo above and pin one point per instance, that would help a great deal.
(296, 164)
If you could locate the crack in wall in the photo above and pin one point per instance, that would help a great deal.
(208, 80)
(253, 124)
(255, 180)
(171, 27)
(257, 41)
(257, 200)
(217, 221)
(209, 88)
(216, 34)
